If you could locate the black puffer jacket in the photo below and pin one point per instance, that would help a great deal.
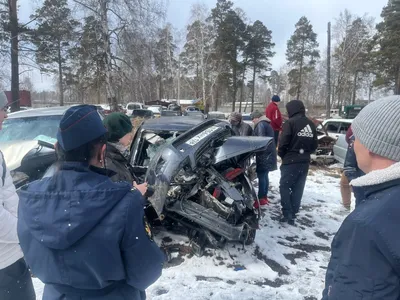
(242, 129)
(266, 160)
(299, 135)
(116, 162)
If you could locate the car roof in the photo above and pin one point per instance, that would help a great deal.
(170, 124)
(39, 112)
(339, 120)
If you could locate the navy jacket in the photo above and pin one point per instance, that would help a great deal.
(365, 261)
(85, 237)
(352, 171)
(265, 160)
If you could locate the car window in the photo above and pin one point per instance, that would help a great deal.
(246, 118)
(133, 106)
(344, 127)
(30, 128)
(332, 127)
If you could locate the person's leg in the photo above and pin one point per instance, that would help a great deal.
(16, 282)
(345, 190)
(266, 184)
(298, 186)
(262, 185)
(276, 137)
(285, 186)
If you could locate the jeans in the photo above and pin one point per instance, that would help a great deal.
(263, 184)
(16, 282)
(292, 183)
(276, 137)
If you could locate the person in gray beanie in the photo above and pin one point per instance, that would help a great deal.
(365, 261)
(238, 126)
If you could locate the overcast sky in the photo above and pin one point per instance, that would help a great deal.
(279, 16)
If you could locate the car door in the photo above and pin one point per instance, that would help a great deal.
(333, 128)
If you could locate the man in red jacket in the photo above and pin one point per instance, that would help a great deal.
(273, 113)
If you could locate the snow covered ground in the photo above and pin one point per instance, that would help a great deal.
(285, 262)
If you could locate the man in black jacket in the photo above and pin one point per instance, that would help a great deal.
(298, 140)
(238, 126)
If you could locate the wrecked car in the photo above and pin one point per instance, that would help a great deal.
(200, 179)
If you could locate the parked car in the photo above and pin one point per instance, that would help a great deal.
(246, 118)
(131, 106)
(340, 149)
(191, 108)
(197, 171)
(216, 115)
(194, 114)
(156, 109)
(175, 107)
(170, 113)
(107, 109)
(142, 113)
(337, 127)
(27, 142)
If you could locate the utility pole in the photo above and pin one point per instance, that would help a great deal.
(12, 5)
(328, 74)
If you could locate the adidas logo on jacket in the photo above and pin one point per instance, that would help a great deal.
(299, 135)
(306, 132)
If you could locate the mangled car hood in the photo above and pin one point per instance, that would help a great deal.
(188, 150)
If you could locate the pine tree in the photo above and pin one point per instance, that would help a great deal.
(387, 50)
(54, 38)
(302, 52)
(90, 57)
(165, 61)
(230, 42)
(259, 51)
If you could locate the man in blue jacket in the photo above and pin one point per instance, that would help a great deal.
(365, 261)
(83, 235)
(266, 161)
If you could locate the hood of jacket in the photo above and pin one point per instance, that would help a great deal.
(62, 209)
(263, 118)
(295, 107)
(378, 177)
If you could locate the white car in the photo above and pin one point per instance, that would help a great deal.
(131, 106)
(247, 119)
(156, 109)
(337, 127)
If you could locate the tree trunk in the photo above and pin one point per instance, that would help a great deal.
(14, 55)
(253, 93)
(234, 88)
(242, 88)
(60, 75)
(301, 72)
(328, 74)
(111, 99)
(353, 98)
(397, 84)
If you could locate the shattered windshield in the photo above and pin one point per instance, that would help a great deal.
(156, 143)
(42, 128)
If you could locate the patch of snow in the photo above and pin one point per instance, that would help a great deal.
(285, 262)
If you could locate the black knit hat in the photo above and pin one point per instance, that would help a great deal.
(118, 125)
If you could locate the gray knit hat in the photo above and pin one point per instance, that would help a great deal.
(3, 100)
(377, 127)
